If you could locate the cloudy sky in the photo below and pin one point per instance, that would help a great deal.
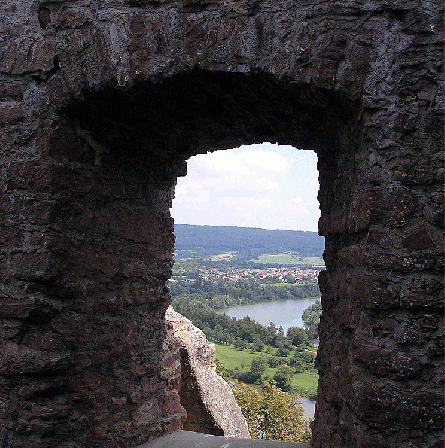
(266, 186)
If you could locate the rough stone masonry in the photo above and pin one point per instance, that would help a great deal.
(101, 104)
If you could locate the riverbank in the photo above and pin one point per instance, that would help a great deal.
(282, 313)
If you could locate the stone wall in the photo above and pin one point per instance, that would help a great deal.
(101, 104)
(85, 260)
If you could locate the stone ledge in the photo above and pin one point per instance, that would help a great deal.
(207, 398)
(189, 439)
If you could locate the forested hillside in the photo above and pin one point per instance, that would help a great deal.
(213, 239)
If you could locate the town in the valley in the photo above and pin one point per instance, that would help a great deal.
(273, 274)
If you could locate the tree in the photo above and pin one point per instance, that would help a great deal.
(283, 352)
(298, 365)
(258, 346)
(274, 361)
(283, 377)
(311, 319)
(302, 360)
(258, 367)
(272, 414)
(297, 336)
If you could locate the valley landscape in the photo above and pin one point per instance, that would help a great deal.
(223, 272)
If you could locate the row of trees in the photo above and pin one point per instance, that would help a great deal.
(223, 293)
(311, 319)
(199, 299)
(224, 329)
(217, 239)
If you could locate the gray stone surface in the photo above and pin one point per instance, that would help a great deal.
(188, 439)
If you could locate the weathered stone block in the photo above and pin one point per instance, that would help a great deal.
(11, 237)
(147, 413)
(144, 295)
(20, 360)
(418, 239)
(16, 308)
(11, 90)
(137, 225)
(138, 269)
(422, 292)
(10, 114)
(96, 261)
(172, 405)
(382, 238)
(386, 362)
(41, 266)
(373, 291)
(392, 206)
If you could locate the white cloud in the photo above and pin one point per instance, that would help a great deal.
(255, 186)
(220, 162)
(191, 193)
(261, 159)
(238, 169)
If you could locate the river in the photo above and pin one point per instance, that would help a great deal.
(308, 407)
(283, 313)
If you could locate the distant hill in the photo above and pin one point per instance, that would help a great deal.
(214, 239)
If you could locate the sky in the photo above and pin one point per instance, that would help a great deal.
(264, 185)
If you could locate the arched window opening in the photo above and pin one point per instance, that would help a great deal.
(122, 151)
(246, 266)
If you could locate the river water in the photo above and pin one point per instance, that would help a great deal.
(308, 408)
(283, 313)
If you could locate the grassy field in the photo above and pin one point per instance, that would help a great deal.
(288, 259)
(227, 256)
(232, 357)
(304, 384)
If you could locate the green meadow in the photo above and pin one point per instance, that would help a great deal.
(304, 384)
(288, 259)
